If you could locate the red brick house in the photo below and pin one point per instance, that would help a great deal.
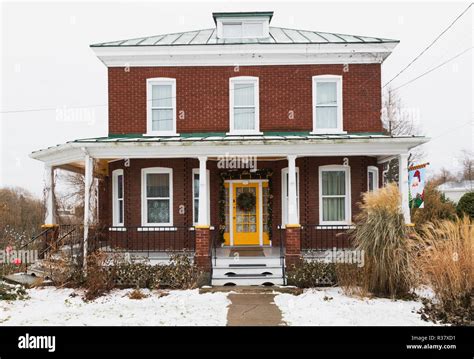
(245, 144)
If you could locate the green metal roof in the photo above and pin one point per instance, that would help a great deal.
(278, 35)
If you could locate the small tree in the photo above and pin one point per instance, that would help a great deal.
(466, 205)
(398, 122)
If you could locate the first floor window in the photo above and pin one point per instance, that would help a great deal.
(157, 196)
(372, 178)
(285, 192)
(334, 192)
(117, 192)
(196, 194)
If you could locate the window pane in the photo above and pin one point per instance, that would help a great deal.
(120, 209)
(244, 94)
(120, 186)
(326, 117)
(157, 185)
(252, 29)
(158, 211)
(232, 30)
(334, 183)
(371, 181)
(161, 96)
(326, 93)
(196, 209)
(244, 119)
(196, 185)
(334, 209)
(162, 120)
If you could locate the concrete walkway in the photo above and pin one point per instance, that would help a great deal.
(253, 309)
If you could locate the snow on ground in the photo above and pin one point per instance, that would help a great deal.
(52, 306)
(331, 307)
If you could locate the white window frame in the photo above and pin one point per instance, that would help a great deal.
(257, 20)
(348, 202)
(115, 200)
(375, 171)
(244, 80)
(149, 125)
(196, 171)
(284, 196)
(339, 127)
(156, 170)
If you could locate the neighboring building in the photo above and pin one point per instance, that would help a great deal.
(260, 136)
(455, 190)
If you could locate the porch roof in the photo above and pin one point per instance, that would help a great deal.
(217, 144)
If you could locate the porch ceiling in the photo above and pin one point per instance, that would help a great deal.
(215, 146)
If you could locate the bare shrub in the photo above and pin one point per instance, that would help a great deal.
(382, 235)
(350, 278)
(137, 294)
(446, 263)
(100, 277)
(311, 274)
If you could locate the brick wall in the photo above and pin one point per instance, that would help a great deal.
(203, 96)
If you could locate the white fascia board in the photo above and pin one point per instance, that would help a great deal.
(245, 54)
(72, 152)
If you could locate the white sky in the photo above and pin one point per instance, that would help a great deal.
(46, 63)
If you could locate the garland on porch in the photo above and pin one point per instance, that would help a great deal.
(263, 173)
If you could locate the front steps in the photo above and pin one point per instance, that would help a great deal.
(247, 271)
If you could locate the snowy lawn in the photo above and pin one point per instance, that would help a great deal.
(51, 306)
(331, 307)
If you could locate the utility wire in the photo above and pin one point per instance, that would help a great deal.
(429, 46)
(434, 68)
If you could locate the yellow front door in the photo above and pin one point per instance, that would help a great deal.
(245, 223)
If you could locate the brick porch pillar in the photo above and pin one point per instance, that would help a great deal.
(292, 245)
(203, 244)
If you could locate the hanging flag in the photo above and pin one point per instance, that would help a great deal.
(416, 182)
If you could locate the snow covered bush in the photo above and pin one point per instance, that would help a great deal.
(12, 292)
(446, 263)
(380, 232)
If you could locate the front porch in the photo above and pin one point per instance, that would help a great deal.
(159, 196)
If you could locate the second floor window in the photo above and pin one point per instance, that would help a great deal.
(161, 107)
(244, 106)
(327, 104)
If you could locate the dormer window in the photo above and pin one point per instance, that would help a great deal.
(243, 29)
(240, 25)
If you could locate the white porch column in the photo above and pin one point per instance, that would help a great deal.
(50, 215)
(203, 220)
(292, 203)
(403, 185)
(88, 180)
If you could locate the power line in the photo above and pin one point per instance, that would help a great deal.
(434, 68)
(429, 46)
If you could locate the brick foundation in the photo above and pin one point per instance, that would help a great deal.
(203, 242)
(292, 246)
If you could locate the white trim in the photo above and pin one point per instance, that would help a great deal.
(221, 22)
(348, 201)
(149, 84)
(403, 186)
(117, 229)
(244, 54)
(196, 172)
(231, 212)
(157, 229)
(375, 171)
(144, 172)
(284, 199)
(72, 152)
(340, 126)
(115, 199)
(244, 80)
